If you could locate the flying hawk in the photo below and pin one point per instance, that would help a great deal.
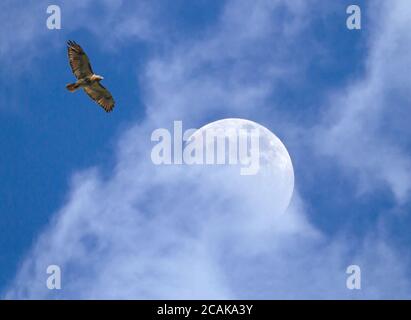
(86, 79)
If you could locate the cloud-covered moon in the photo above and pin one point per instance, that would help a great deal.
(275, 177)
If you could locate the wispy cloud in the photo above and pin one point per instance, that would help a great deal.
(25, 33)
(364, 129)
(146, 231)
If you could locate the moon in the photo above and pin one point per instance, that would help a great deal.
(269, 190)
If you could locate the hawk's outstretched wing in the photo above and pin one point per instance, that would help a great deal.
(101, 95)
(78, 60)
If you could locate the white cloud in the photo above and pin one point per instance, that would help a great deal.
(172, 232)
(365, 129)
(25, 34)
(25, 37)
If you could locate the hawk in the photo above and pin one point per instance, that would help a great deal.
(86, 79)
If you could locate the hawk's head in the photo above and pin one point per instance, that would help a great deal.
(96, 77)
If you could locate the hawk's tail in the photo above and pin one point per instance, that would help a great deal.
(72, 87)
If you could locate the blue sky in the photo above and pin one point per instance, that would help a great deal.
(77, 189)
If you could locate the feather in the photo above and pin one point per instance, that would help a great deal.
(81, 68)
(101, 95)
(79, 62)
